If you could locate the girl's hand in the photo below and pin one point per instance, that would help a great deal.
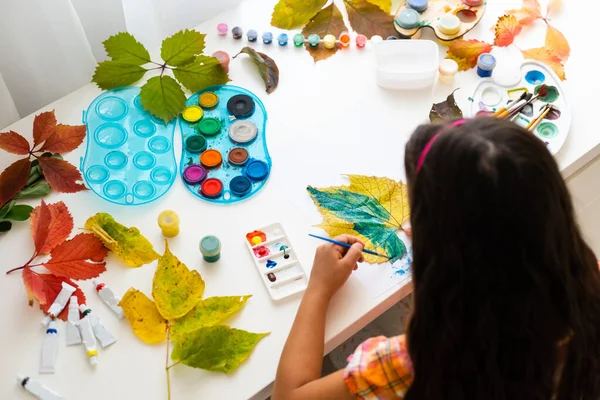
(333, 265)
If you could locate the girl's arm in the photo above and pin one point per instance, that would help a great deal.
(299, 372)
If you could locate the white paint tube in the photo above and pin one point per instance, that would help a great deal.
(49, 350)
(40, 391)
(59, 303)
(102, 334)
(109, 298)
(73, 334)
(89, 341)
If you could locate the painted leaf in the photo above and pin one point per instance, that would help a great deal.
(59, 224)
(466, 52)
(291, 14)
(328, 21)
(369, 19)
(52, 286)
(447, 110)
(127, 243)
(370, 208)
(13, 179)
(34, 286)
(14, 143)
(385, 5)
(507, 28)
(215, 348)
(79, 258)
(202, 72)
(19, 212)
(124, 48)
(544, 55)
(182, 47)
(557, 43)
(266, 67)
(176, 289)
(553, 6)
(111, 74)
(43, 126)
(210, 312)
(66, 138)
(162, 97)
(529, 12)
(61, 175)
(142, 314)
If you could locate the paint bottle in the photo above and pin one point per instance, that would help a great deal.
(222, 29)
(195, 144)
(208, 100)
(241, 106)
(407, 18)
(223, 58)
(192, 113)
(211, 158)
(49, 350)
(41, 392)
(108, 296)
(210, 247)
(329, 41)
(376, 39)
(267, 37)
(485, 65)
(168, 221)
(447, 69)
(237, 32)
(345, 39)
(89, 341)
(257, 170)
(418, 5)
(59, 304)
(473, 3)
(449, 24)
(313, 40)
(73, 335)
(282, 39)
(209, 126)
(391, 37)
(361, 41)
(298, 40)
(211, 188)
(240, 186)
(194, 174)
(100, 332)
(252, 35)
(238, 156)
(242, 131)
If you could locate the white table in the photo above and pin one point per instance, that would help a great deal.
(325, 119)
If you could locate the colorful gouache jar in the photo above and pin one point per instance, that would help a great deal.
(345, 39)
(223, 58)
(222, 29)
(282, 39)
(361, 41)
(267, 37)
(407, 18)
(313, 40)
(211, 188)
(485, 65)
(192, 113)
(298, 40)
(447, 69)
(237, 32)
(238, 156)
(252, 35)
(195, 144)
(240, 186)
(329, 41)
(449, 24)
(208, 100)
(210, 247)
(168, 221)
(211, 158)
(209, 126)
(418, 5)
(194, 174)
(473, 3)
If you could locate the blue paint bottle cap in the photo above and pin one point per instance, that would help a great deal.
(267, 37)
(407, 19)
(419, 5)
(282, 39)
(240, 186)
(252, 35)
(257, 170)
(486, 62)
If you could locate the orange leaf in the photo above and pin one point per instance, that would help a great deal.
(41, 217)
(529, 12)
(43, 126)
(557, 43)
(60, 225)
(34, 286)
(553, 5)
(466, 52)
(69, 259)
(65, 138)
(14, 143)
(13, 179)
(61, 175)
(544, 55)
(52, 285)
(507, 28)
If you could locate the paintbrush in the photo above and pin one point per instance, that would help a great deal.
(541, 93)
(503, 109)
(517, 105)
(538, 120)
(347, 245)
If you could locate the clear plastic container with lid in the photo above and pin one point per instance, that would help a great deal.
(406, 64)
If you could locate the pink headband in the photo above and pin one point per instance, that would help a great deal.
(433, 139)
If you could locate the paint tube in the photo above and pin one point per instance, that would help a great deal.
(49, 350)
(37, 389)
(109, 298)
(59, 303)
(73, 334)
(89, 341)
(102, 334)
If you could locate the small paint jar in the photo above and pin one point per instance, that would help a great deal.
(267, 37)
(194, 174)
(222, 29)
(252, 35)
(345, 39)
(361, 41)
(376, 39)
(195, 144)
(242, 131)
(298, 40)
(240, 186)
(223, 58)
(391, 38)
(238, 156)
(210, 247)
(418, 5)
(329, 41)
(192, 114)
(485, 65)
(209, 126)
(449, 24)
(168, 221)
(282, 39)
(447, 69)
(407, 18)
(237, 32)
(211, 188)
(257, 170)
(241, 106)
(473, 3)
(313, 40)
(211, 158)
(208, 100)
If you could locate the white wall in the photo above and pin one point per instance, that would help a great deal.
(585, 190)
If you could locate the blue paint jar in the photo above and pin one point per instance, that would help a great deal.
(210, 247)
(407, 19)
(391, 38)
(252, 35)
(267, 37)
(313, 40)
(485, 65)
(240, 186)
(282, 39)
(418, 5)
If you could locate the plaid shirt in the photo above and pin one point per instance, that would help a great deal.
(379, 369)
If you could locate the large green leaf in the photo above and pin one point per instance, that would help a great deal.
(268, 70)
(38, 189)
(162, 96)
(209, 312)
(19, 212)
(369, 19)
(182, 47)
(291, 14)
(111, 74)
(202, 72)
(215, 348)
(124, 48)
(328, 21)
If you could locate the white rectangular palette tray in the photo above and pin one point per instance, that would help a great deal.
(276, 261)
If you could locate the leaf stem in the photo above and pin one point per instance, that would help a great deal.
(167, 362)
(35, 253)
(15, 269)
(172, 365)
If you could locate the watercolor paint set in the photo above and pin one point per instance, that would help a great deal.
(276, 261)
(129, 158)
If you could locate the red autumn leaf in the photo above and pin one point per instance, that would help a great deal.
(529, 12)
(43, 126)
(507, 28)
(52, 286)
(557, 43)
(466, 52)
(69, 259)
(544, 55)
(60, 225)
(34, 285)
(13, 179)
(40, 225)
(61, 175)
(65, 138)
(14, 143)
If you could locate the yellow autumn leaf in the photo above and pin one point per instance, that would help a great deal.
(146, 321)
(210, 312)
(385, 5)
(176, 289)
(290, 14)
(506, 29)
(557, 43)
(544, 55)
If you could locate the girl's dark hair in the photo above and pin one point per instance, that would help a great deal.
(501, 273)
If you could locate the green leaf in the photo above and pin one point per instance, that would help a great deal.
(111, 74)
(181, 48)
(127, 243)
(35, 173)
(215, 348)
(202, 72)
(5, 226)
(328, 21)
(162, 97)
(6, 208)
(124, 48)
(291, 14)
(209, 312)
(370, 208)
(447, 110)
(19, 212)
(369, 19)
(38, 189)
(266, 67)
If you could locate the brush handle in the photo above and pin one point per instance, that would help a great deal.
(538, 120)
(346, 245)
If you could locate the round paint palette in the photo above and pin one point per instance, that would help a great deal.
(236, 157)
(129, 157)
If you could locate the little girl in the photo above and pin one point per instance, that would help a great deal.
(506, 291)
